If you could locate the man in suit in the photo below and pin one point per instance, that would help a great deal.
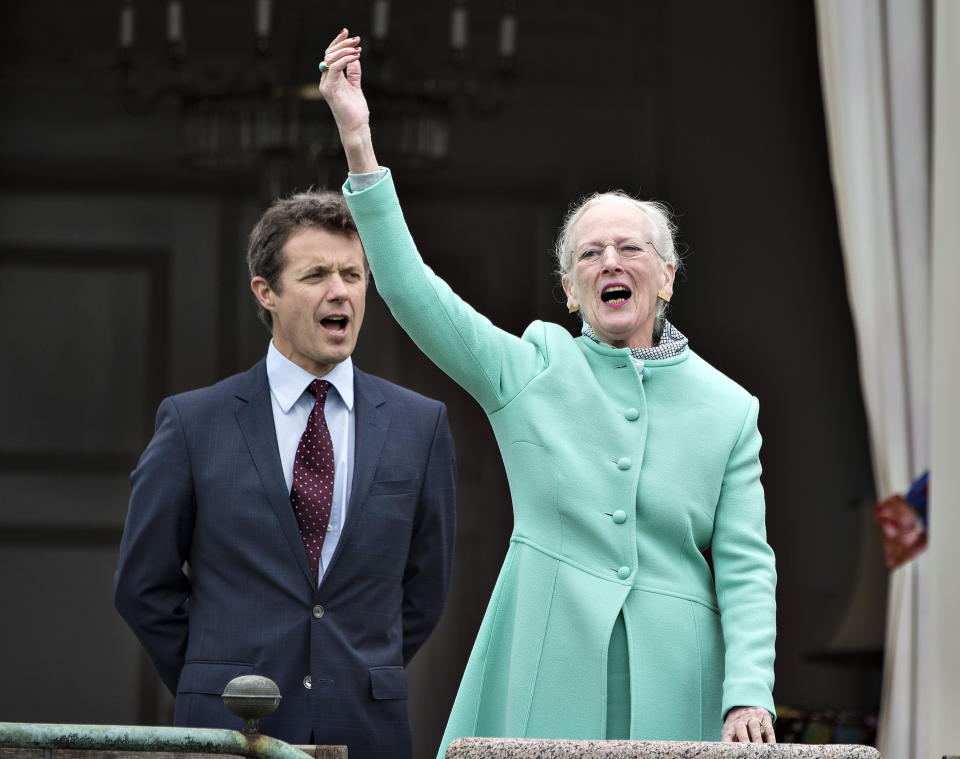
(295, 520)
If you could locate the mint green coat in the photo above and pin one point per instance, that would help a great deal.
(620, 481)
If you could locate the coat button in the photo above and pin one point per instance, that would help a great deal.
(631, 414)
(624, 463)
(623, 573)
(619, 516)
(308, 682)
(318, 611)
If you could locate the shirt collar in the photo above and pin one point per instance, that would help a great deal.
(289, 381)
(672, 342)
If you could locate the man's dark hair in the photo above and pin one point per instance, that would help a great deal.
(320, 209)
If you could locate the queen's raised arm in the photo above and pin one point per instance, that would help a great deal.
(340, 86)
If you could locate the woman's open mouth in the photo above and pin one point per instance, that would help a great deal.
(615, 295)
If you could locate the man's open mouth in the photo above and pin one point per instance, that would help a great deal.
(614, 295)
(335, 323)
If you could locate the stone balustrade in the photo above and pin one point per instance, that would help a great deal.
(534, 748)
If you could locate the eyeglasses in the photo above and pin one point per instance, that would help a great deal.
(626, 251)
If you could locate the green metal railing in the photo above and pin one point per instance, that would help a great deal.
(138, 738)
(249, 697)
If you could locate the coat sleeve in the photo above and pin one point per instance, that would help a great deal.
(150, 588)
(745, 575)
(489, 363)
(426, 576)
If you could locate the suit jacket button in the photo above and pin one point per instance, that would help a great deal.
(624, 463)
(631, 414)
(318, 611)
(308, 682)
(623, 573)
(619, 516)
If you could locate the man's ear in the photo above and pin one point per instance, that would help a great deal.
(263, 292)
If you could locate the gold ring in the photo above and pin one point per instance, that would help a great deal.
(323, 67)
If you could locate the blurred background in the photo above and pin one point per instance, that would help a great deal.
(139, 142)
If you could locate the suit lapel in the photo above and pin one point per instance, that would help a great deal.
(255, 417)
(372, 422)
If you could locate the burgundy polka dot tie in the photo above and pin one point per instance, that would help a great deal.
(312, 491)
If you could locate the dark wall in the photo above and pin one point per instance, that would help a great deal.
(123, 282)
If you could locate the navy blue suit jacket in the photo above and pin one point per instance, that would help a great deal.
(214, 580)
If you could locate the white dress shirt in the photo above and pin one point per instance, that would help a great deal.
(292, 405)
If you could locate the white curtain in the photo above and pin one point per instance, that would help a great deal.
(940, 665)
(879, 71)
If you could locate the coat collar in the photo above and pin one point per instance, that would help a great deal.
(371, 423)
(255, 418)
(593, 350)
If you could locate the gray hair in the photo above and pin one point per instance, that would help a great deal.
(657, 213)
(314, 209)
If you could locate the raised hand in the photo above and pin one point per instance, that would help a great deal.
(340, 87)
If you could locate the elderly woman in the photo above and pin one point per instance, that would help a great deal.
(629, 458)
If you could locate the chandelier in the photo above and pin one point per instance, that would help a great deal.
(239, 110)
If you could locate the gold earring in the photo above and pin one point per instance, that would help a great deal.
(572, 309)
(664, 296)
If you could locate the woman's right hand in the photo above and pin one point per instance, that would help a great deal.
(340, 87)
